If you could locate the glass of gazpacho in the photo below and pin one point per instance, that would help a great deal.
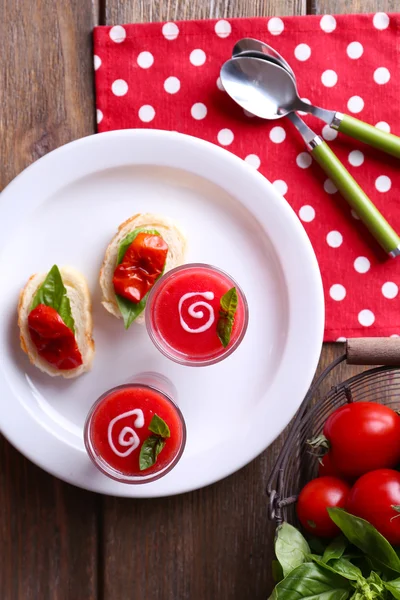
(135, 433)
(196, 315)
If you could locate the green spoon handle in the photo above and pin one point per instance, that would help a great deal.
(368, 134)
(358, 200)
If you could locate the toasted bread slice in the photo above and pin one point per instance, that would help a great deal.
(78, 294)
(176, 254)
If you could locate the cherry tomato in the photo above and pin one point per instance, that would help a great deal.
(326, 466)
(315, 497)
(373, 498)
(142, 264)
(363, 436)
(54, 341)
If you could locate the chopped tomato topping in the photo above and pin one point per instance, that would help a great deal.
(54, 341)
(141, 266)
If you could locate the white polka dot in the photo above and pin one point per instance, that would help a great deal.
(96, 62)
(303, 160)
(355, 215)
(330, 187)
(99, 116)
(337, 292)
(146, 113)
(117, 34)
(390, 290)
(248, 114)
(145, 59)
(381, 20)
(362, 264)
(119, 87)
(225, 137)
(198, 111)
(280, 186)
(275, 26)
(366, 317)
(329, 78)
(170, 31)
(355, 104)
(354, 50)
(381, 75)
(197, 57)
(277, 134)
(341, 339)
(328, 23)
(223, 28)
(383, 126)
(334, 239)
(172, 85)
(356, 158)
(383, 183)
(307, 213)
(302, 52)
(219, 85)
(328, 133)
(395, 335)
(253, 160)
(307, 101)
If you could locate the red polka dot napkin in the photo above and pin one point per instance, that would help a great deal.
(166, 76)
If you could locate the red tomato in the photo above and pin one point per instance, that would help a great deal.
(315, 497)
(142, 264)
(54, 341)
(363, 436)
(373, 498)
(326, 467)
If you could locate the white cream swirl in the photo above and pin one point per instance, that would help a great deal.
(127, 436)
(195, 312)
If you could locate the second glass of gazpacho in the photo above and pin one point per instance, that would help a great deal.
(196, 315)
(135, 433)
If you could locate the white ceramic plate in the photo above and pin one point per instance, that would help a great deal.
(65, 208)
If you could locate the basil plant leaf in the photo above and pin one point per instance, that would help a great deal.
(53, 293)
(159, 427)
(149, 451)
(291, 548)
(341, 566)
(363, 535)
(309, 581)
(335, 549)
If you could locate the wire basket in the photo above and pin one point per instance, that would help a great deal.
(296, 464)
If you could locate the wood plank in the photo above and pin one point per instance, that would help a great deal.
(321, 7)
(142, 11)
(48, 529)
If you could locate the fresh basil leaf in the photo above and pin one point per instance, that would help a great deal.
(224, 329)
(317, 545)
(311, 582)
(341, 566)
(127, 241)
(335, 549)
(291, 548)
(229, 302)
(393, 587)
(363, 535)
(277, 572)
(130, 310)
(53, 293)
(159, 427)
(149, 451)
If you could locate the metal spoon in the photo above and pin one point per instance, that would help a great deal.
(355, 128)
(268, 91)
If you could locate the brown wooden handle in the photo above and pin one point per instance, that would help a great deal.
(373, 351)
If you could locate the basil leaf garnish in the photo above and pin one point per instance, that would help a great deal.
(228, 308)
(53, 293)
(159, 427)
(149, 451)
(291, 548)
(127, 241)
(131, 310)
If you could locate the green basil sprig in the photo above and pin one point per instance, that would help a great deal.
(53, 293)
(153, 445)
(131, 310)
(228, 308)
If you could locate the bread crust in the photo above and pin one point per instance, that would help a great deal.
(81, 307)
(171, 234)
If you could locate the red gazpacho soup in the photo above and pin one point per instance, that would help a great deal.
(196, 315)
(135, 433)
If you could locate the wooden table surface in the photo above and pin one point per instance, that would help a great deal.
(58, 542)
